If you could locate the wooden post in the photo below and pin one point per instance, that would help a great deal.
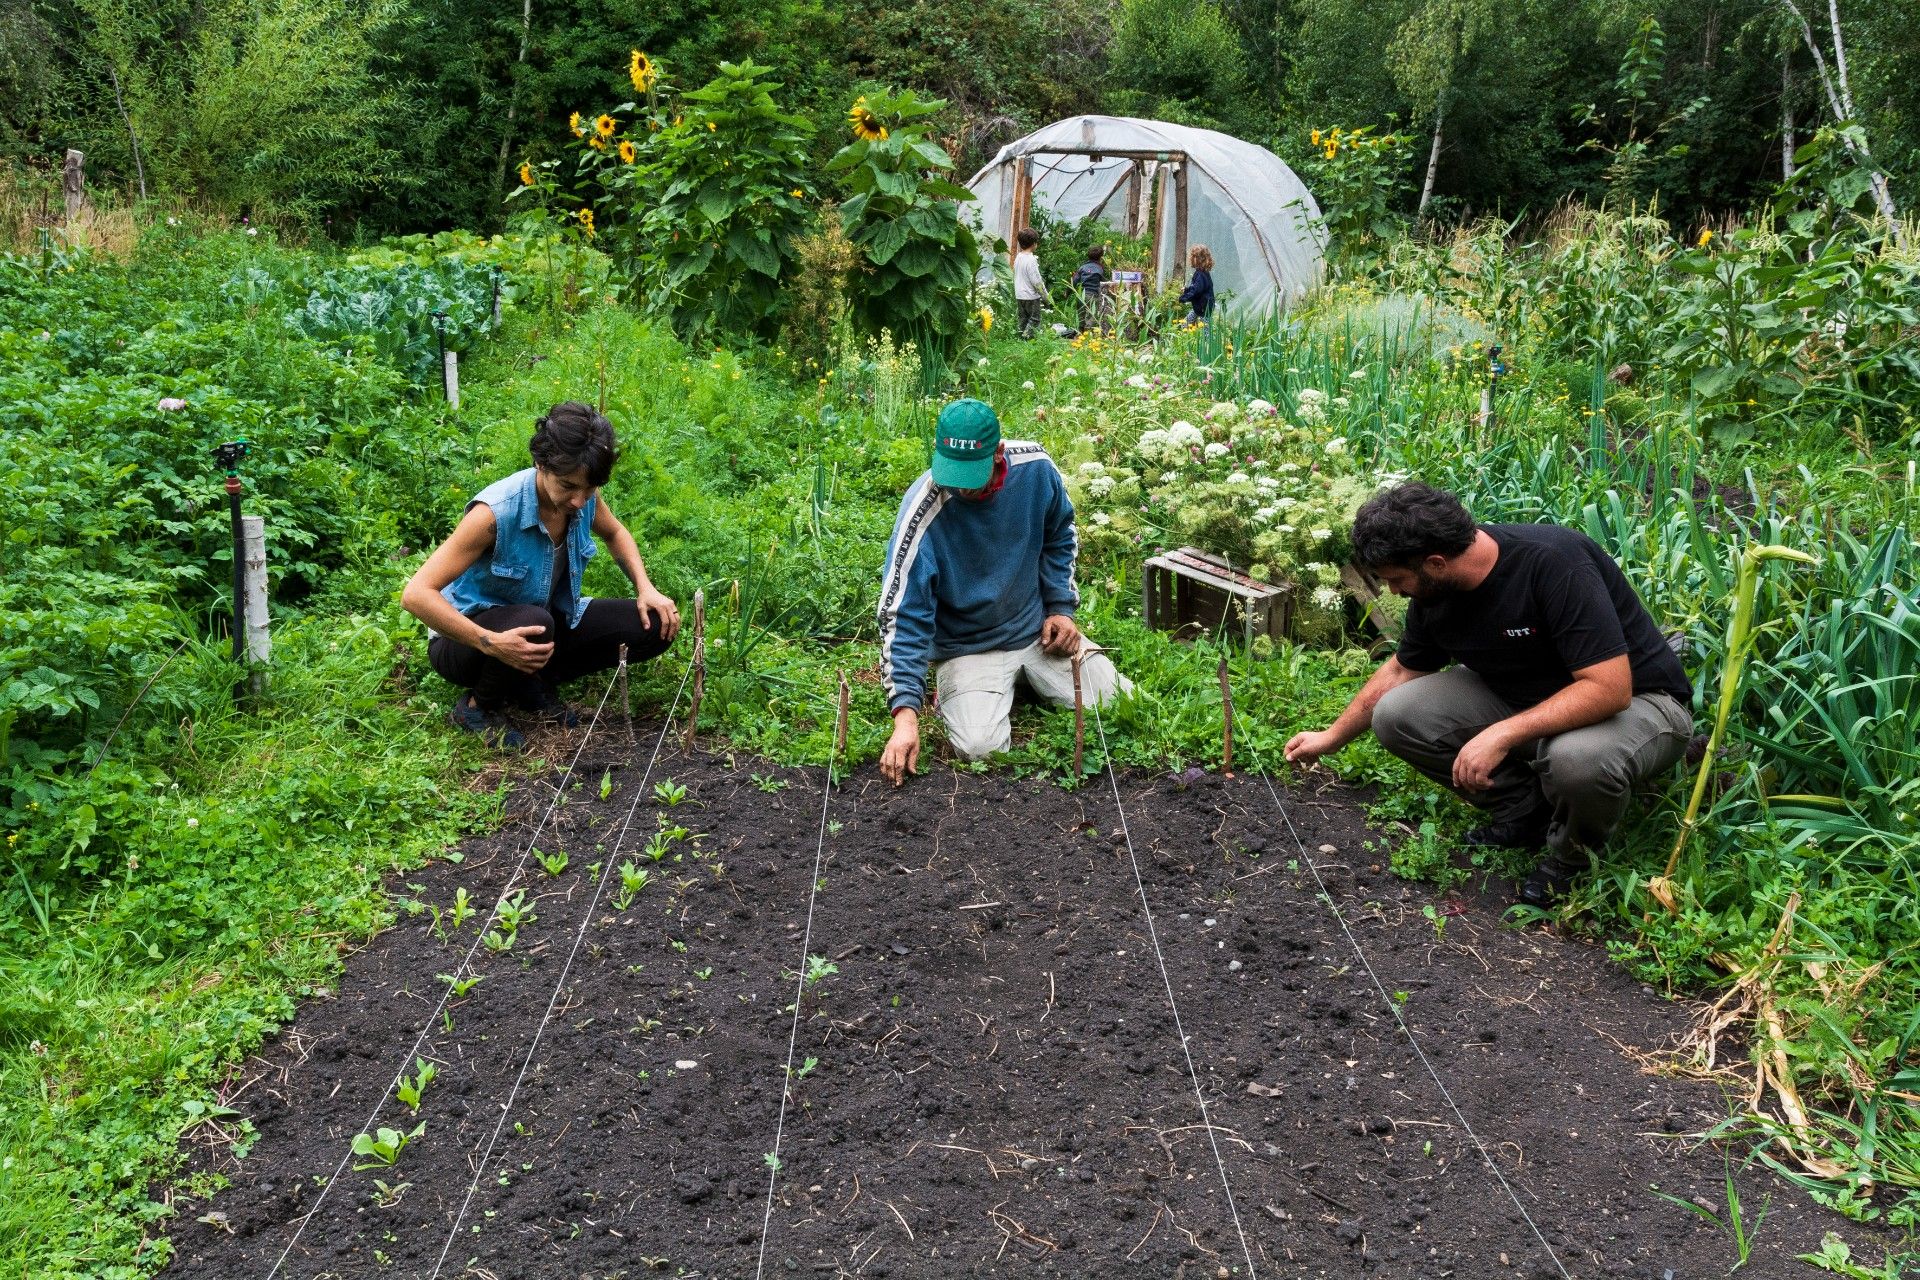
(73, 184)
(1181, 172)
(626, 703)
(1226, 729)
(1022, 205)
(450, 376)
(840, 724)
(259, 644)
(699, 665)
(1079, 717)
(1135, 189)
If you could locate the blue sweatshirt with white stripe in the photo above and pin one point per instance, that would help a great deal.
(971, 577)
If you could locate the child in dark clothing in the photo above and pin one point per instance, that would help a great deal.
(1198, 295)
(1088, 277)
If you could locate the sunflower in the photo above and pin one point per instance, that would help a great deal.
(797, 194)
(526, 174)
(627, 151)
(586, 221)
(573, 123)
(866, 126)
(597, 143)
(712, 126)
(640, 71)
(1706, 238)
(605, 125)
(1314, 137)
(986, 319)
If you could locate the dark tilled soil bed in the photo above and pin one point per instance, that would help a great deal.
(996, 1085)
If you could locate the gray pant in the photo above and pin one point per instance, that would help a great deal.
(1584, 774)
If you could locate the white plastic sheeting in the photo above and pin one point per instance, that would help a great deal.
(1243, 202)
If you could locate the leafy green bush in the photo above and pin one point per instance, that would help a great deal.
(903, 215)
(402, 314)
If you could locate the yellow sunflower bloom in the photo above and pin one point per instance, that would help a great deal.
(640, 71)
(798, 194)
(866, 125)
(597, 143)
(712, 125)
(526, 174)
(1706, 238)
(605, 125)
(573, 123)
(1314, 137)
(586, 221)
(627, 151)
(986, 319)
(1332, 150)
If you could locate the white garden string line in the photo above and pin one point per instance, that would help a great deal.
(1153, 935)
(466, 962)
(579, 936)
(1407, 1031)
(793, 1036)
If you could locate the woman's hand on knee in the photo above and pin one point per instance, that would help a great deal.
(658, 611)
(518, 647)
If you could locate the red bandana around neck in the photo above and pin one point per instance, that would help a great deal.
(994, 485)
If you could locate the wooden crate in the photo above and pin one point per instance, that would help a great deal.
(1190, 592)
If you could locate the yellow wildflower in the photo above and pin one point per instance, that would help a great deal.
(1314, 137)
(605, 126)
(798, 194)
(627, 152)
(1332, 148)
(526, 174)
(597, 143)
(573, 123)
(986, 319)
(586, 221)
(640, 71)
(1706, 238)
(712, 125)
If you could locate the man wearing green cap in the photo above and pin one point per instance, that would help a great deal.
(979, 578)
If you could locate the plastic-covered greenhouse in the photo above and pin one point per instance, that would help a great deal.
(1181, 185)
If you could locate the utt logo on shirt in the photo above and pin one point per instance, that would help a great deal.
(1519, 633)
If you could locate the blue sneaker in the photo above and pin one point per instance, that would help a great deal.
(547, 707)
(467, 714)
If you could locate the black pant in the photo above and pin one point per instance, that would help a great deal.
(592, 646)
(1032, 312)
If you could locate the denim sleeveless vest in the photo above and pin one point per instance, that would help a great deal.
(519, 568)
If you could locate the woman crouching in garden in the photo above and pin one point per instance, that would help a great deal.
(501, 596)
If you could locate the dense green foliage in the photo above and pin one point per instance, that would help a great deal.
(403, 115)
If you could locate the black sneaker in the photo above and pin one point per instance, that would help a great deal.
(494, 730)
(1526, 832)
(1548, 882)
(546, 707)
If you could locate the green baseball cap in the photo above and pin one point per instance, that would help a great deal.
(965, 441)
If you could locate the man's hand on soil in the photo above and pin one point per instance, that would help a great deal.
(1305, 748)
(514, 648)
(1473, 767)
(1060, 636)
(902, 754)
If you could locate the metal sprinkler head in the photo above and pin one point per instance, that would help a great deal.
(229, 455)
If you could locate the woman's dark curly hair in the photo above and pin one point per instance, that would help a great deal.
(574, 437)
(1404, 525)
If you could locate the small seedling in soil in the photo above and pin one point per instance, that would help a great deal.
(515, 911)
(835, 827)
(632, 879)
(461, 986)
(658, 847)
(818, 968)
(498, 942)
(387, 1194)
(383, 1146)
(414, 1087)
(772, 1161)
(555, 862)
(806, 1068)
(703, 974)
(768, 783)
(645, 1025)
(462, 908)
(446, 1021)
(1400, 998)
(606, 784)
(669, 792)
(677, 945)
(1437, 920)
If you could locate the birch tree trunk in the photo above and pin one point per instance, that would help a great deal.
(1840, 103)
(1786, 117)
(1433, 156)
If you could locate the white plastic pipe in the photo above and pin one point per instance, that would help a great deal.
(450, 371)
(253, 536)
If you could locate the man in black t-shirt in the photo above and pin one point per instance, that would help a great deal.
(1561, 695)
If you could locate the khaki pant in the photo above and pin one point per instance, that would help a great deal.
(1585, 775)
(976, 692)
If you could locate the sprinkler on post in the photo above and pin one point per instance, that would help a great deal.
(1496, 368)
(228, 457)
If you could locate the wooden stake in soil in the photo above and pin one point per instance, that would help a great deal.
(1079, 717)
(1226, 726)
(699, 665)
(840, 726)
(626, 703)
